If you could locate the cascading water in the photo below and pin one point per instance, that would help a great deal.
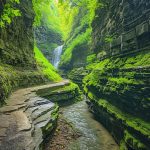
(56, 56)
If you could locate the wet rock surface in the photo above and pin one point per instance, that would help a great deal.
(78, 130)
(27, 119)
(63, 135)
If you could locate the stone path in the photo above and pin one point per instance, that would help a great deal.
(24, 118)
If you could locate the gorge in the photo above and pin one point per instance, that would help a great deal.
(101, 48)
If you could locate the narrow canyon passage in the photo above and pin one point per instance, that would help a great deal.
(93, 135)
(54, 51)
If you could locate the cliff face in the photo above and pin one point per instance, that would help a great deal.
(76, 47)
(126, 23)
(48, 34)
(118, 86)
(17, 39)
(18, 65)
(47, 40)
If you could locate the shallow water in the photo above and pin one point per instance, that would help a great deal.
(94, 135)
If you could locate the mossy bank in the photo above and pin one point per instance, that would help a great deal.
(21, 64)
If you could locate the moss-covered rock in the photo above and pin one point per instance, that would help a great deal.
(63, 94)
(118, 81)
(16, 40)
(77, 75)
(20, 64)
(11, 78)
(118, 89)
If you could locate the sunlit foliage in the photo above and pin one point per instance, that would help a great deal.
(46, 13)
(9, 12)
(45, 67)
(78, 25)
(67, 14)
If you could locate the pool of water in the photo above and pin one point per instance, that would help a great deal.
(94, 135)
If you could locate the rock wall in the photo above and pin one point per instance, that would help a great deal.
(18, 66)
(47, 40)
(118, 86)
(17, 39)
(126, 23)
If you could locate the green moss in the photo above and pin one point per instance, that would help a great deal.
(90, 95)
(52, 123)
(129, 120)
(134, 142)
(79, 36)
(72, 88)
(122, 80)
(64, 93)
(79, 40)
(55, 112)
(138, 60)
(6, 81)
(45, 67)
(123, 145)
(111, 71)
(9, 12)
(91, 58)
(91, 66)
(102, 65)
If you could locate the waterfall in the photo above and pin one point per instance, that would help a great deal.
(56, 56)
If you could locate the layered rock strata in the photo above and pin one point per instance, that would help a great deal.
(28, 119)
(118, 86)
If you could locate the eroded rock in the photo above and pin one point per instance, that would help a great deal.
(27, 119)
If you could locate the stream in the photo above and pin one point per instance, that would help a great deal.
(94, 135)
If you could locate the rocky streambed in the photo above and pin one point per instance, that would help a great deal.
(30, 116)
(78, 130)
